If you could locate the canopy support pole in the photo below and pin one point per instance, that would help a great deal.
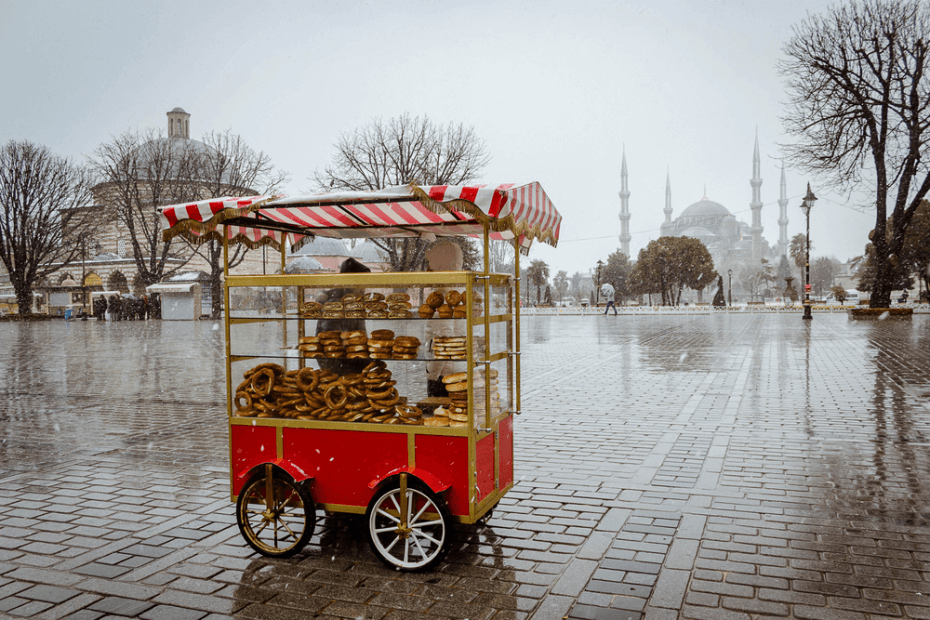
(283, 244)
(516, 307)
(487, 330)
(229, 401)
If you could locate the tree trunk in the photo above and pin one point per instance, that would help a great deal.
(880, 296)
(24, 300)
(216, 295)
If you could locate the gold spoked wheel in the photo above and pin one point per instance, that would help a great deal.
(275, 515)
(409, 527)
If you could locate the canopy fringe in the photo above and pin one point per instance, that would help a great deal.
(532, 232)
(215, 235)
(200, 232)
(218, 218)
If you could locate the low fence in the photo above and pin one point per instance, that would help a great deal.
(691, 310)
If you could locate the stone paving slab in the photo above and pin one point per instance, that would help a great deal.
(716, 466)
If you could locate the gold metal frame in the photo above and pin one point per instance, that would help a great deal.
(475, 431)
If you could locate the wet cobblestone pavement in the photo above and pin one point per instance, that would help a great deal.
(752, 466)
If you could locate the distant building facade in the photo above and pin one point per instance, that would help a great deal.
(109, 262)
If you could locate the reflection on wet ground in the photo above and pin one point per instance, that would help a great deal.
(669, 466)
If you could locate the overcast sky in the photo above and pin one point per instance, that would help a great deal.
(556, 90)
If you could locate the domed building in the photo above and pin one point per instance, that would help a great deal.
(371, 255)
(729, 241)
(327, 251)
(109, 258)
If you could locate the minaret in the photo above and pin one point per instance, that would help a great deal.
(178, 124)
(783, 215)
(624, 209)
(756, 205)
(668, 197)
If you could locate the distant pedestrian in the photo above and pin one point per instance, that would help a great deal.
(100, 308)
(115, 308)
(608, 292)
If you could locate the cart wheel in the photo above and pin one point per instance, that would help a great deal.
(275, 515)
(409, 527)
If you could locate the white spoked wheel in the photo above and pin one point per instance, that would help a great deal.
(409, 527)
(275, 515)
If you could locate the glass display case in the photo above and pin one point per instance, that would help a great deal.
(431, 352)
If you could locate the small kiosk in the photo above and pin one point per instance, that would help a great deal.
(180, 301)
(342, 420)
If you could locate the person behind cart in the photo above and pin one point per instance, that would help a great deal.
(342, 366)
(443, 256)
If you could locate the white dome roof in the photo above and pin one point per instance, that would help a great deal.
(303, 264)
(323, 246)
(704, 208)
(367, 252)
(697, 232)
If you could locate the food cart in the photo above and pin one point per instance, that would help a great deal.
(342, 420)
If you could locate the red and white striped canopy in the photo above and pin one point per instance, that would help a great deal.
(507, 211)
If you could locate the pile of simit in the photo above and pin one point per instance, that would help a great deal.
(271, 391)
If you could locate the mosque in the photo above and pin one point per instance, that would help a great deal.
(731, 243)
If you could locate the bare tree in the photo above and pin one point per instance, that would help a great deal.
(860, 110)
(578, 280)
(823, 272)
(230, 167)
(501, 256)
(404, 150)
(42, 215)
(137, 173)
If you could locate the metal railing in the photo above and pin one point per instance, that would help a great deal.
(695, 310)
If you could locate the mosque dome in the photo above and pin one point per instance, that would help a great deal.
(178, 147)
(303, 264)
(323, 246)
(705, 208)
(743, 245)
(729, 226)
(367, 252)
(697, 232)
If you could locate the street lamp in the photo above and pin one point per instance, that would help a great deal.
(730, 287)
(597, 292)
(806, 206)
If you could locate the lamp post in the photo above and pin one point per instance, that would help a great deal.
(83, 277)
(597, 292)
(730, 287)
(806, 206)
